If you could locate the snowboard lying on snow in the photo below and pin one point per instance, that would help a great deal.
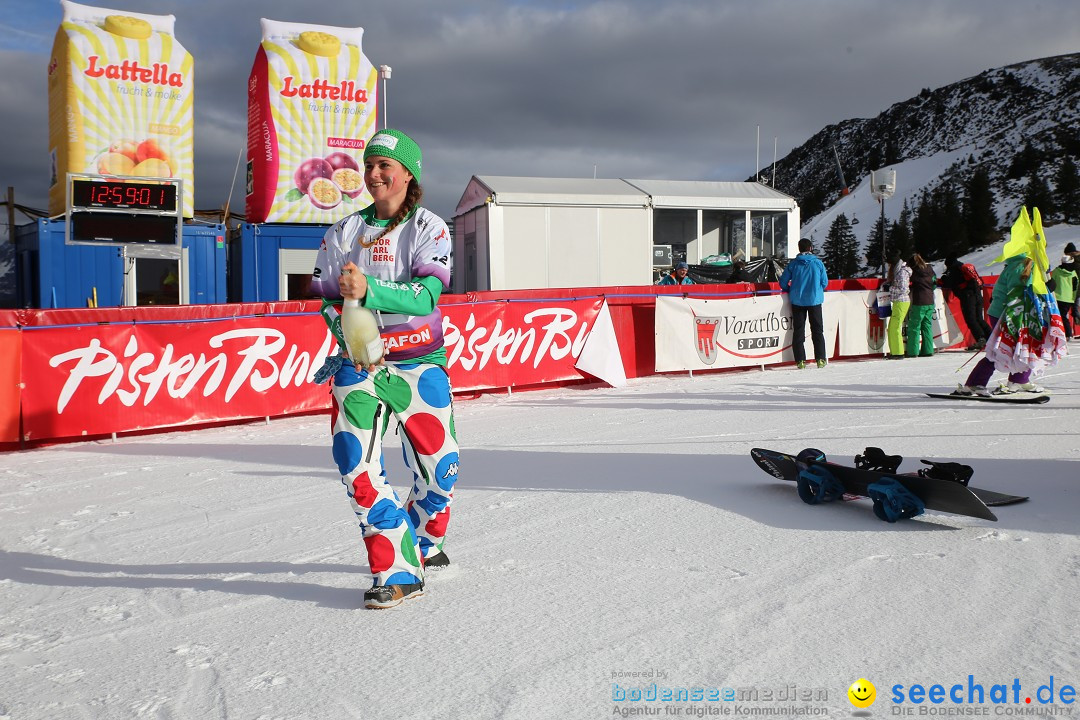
(1019, 398)
(941, 486)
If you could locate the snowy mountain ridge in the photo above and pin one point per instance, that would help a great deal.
(944, 135)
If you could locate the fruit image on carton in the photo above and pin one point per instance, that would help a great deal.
(120, 100)
(311, 110)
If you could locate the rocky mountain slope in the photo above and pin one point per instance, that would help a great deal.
(1016, 121)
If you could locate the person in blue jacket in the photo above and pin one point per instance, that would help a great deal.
(678, 276)
(804, 281)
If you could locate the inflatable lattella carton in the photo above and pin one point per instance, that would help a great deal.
(311, 109)
(120, 100)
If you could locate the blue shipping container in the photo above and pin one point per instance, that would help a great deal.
(53, 274)
(272, 261)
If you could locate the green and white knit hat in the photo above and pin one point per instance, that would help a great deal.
(397, 145)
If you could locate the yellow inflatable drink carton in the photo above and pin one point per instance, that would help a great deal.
(120, 100)
(311, 110)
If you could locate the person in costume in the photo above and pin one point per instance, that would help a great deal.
(1028, 335)
(394, 256)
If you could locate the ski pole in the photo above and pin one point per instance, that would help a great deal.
(967, 361)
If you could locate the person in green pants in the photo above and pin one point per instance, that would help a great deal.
(900, 301)
(920, 332)
(1066, 283)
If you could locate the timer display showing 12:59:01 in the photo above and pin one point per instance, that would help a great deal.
(112, 194)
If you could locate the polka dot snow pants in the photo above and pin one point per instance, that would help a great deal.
(418, 395)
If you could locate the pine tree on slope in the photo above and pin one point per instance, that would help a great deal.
(980, 219)
(1067, 191)
(840, 252)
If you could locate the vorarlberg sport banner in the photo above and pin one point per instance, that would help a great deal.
(693, 334)
(706, 334)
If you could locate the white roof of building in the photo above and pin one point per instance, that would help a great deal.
(710, 195)
(504, 190)
(609, 192)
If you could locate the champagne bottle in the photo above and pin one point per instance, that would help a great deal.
(361, 332)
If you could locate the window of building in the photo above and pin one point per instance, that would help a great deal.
(157, 281)
(768, 234)
(675, 227)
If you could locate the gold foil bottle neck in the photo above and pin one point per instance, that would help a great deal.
(319, 43)
(128, 27)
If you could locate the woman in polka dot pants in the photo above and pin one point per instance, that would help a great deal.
(395, 257)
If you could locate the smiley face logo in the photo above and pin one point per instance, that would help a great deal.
(862, 693)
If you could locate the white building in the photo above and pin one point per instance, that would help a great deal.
(513, 233)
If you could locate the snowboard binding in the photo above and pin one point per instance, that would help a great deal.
(874, 458)
(806, 455)
(893, 501)
(817, 485)
(956, 472)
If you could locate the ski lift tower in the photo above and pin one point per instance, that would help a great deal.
(882, 187)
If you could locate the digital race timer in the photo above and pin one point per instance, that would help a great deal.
(123, 210)
(101, 194)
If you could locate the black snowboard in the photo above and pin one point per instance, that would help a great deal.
(996, 499)
(942, 495)
(1021, 398)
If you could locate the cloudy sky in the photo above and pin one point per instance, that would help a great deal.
(672, 89)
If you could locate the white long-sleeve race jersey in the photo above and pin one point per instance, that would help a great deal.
(408, 269)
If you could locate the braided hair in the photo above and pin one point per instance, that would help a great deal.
(413, 195)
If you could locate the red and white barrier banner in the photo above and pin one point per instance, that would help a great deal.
(870, 336)
(10, 381)
(946, 329)
(98, 379)
(507, 344)
(861, 331)
(79, 372)
(696, 334)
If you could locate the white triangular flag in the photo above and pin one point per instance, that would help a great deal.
(600, 357)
